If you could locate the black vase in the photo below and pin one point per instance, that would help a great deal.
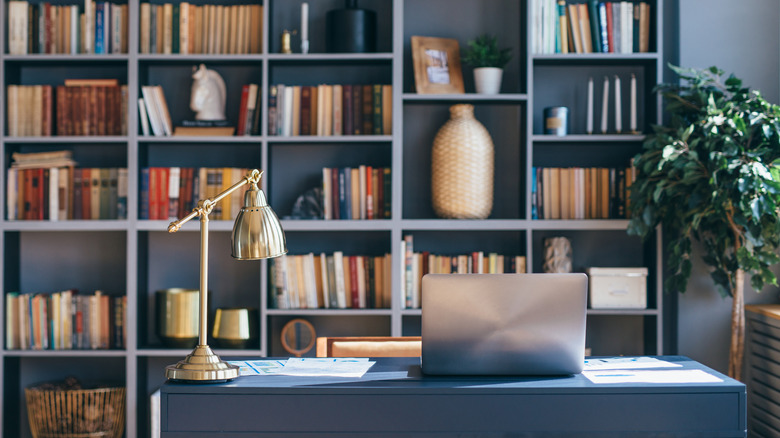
(350, 30)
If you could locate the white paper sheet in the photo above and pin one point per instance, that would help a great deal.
(627, 363)
(257, 367)
(326, 366)
(651, 376)
(306, 366)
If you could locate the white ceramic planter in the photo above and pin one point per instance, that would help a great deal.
(487, 80)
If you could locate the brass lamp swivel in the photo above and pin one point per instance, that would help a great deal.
(257, 234)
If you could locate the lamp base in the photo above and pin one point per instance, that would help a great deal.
(202, 366)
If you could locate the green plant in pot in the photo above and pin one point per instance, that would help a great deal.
(488, 61)
(711, 174)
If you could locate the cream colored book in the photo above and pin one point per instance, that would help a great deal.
(198, 32)
(167, 28)
(184, 28)
(226, 29)
(256, 29)
(296, 110)
(236, 29)
(219, 30)
(145, 27)
(17, 27)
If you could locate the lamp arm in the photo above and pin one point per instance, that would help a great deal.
(205, 205)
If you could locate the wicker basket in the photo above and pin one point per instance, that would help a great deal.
(76, 413)
(462, 167)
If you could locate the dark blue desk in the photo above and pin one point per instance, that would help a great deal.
(394, 399)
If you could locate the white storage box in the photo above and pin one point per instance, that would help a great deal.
(617, 288)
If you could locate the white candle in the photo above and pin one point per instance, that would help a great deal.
(604, 105)
(589, 123)
(304, 28)
(618, 107)
(633, 104)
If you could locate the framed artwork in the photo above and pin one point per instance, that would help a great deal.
(436, 65)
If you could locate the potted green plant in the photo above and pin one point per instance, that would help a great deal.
(711, 174)
(488, 61)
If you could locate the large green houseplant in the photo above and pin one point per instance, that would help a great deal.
(711, 174)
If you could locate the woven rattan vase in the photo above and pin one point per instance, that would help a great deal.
(462, 167)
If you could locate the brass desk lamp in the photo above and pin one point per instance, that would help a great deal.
(257, 234)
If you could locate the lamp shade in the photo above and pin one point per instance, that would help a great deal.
(257, 232)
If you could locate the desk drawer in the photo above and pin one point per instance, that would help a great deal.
(697, 414)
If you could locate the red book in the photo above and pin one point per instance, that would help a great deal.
(610, 33)
(26, 212)
(353, 276)
(46, 128)
(347, 110)
(242, 110)
(154, 193)
(162, 197)
(305, 122)
(369, 193)
(60, 114)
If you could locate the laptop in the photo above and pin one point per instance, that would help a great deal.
(503, 324)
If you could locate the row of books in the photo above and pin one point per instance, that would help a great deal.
(580, 193)
(335, 281)
(168, 193)
(214, 29)
(362, 192)
(591, 27)
(83, 107)
(153, 111)
(64, 320)
(97, 27)
(416, 264)
(325, 110)
(66, 193)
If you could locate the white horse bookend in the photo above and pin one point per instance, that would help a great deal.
(208, 94)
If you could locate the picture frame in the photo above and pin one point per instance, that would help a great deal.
(437, 65)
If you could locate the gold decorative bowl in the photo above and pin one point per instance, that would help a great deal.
(235, 327)
(177, 317)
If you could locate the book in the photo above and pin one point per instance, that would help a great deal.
(204, 130)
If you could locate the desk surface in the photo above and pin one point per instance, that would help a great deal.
(394, 398)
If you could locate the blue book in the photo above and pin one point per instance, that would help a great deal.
(143, 208)
(343, 194)
(347, 194)
(603, 27)
(100, 23)
(534, 209)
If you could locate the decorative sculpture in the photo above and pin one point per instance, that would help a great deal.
(557, 255)
(208, 94)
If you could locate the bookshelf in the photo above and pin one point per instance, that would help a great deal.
(138, 257)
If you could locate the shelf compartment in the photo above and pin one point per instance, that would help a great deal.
(232, 283)
(254, 139)
(51, 70)
(593, 58)
(566, 84)
(294, 58)
(615, 154)
(175, 78)
(23, 372)
(636, 336)
(501, 18)
(584, 138)
(85, 58)
(411, 98)
(101, 264)
(455, 242)
(331, 139)
(242, 155)
(282, 15)
(60, 140)
(327, 325)
(66, 226)
(505, 124)
(290, 176)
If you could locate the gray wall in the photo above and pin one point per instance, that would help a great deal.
(740, 37)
